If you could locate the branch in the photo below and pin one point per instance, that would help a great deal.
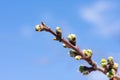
(58, 37)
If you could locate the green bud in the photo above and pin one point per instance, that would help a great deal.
(103, 60)
(88, 53)
(59, 33)
(71, 37)
(110, 60)
(111, 73)
(81, 69)
(58, 29)
(104, 64)
(37, 28)
(72, 53)
(78, 57)
(115, 66)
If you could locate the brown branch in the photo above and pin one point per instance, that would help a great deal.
(94, 66)
(117, 77)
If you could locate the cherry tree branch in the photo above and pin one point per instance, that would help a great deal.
(94, 66)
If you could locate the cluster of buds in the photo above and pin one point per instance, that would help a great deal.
(74, 54)
(72, 39)
(58, 33)
(87, 53)
(39, 28)
(84, 70)
(110, 66)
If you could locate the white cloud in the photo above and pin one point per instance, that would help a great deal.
(102, 16)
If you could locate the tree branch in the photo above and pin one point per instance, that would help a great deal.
(94, 66)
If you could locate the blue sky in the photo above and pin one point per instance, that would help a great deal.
(28, 55)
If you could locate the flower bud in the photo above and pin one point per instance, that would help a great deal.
(110, 60)
(88, 53)
(78, 57)
(115, 66)
(111, 73)
(72, 53)
(58, 30)
(71, 37)
(103, 62)
(89, 50)
(37, 28)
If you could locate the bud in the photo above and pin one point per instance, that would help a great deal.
(58, 30)
(111, 73)
(71, 37)
(115, 66)
(78, 57)
(110, 60)
(72, 53)
(81, 69)
(103, 62)
(37, 28)
(88, 53)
